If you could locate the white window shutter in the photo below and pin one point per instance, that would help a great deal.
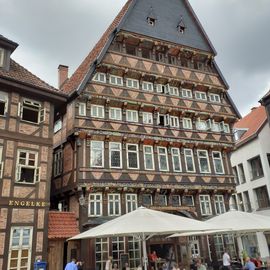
(167, 120)
(18, 173)
(37, 174)
(167, 88)
(20, 109)
(209, 124)
(221, 126)
(158, 120)
(42, 115)
(1, 169)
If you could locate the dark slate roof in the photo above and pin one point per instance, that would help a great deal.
(169, 13)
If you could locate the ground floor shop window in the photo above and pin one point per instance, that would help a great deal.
(223, 242)
(134, 252)
(102, 253)
(20, 248)
(250, 245)
(194, 246)
(118, 247)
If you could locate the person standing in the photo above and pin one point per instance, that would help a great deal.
(226, 260)
(71, 265)
(108, 265)
(249, 264)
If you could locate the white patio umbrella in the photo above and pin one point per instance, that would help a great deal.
(144, 223)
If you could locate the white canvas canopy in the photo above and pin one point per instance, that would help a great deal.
(144, 223)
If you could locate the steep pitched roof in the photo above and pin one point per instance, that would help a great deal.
(22, 75)
(78, 76)
(62, 225)
(253, 122)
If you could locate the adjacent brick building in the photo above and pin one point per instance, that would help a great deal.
(26, 144)
(149, 122)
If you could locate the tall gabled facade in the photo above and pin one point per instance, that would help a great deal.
(26, 145)
(150, 123)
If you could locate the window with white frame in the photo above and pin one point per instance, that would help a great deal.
(147, 86)
(100, 77)
(82, 109)
(193, 242)
(227, 128)
(161, 199)
(203, 161)
(147, 118)
(174, 121)
(148, 157)
(201, 124)
(215, 126)
(163, 120)
(173, 91)
(186, 93)
(95, 205)
(97, 111)
(200, 95)
(3, 103)
(118, 248)
(219, 204)
(176, 200)
(214, 98)
(189, 160)
(188, 200)
(134, 252)
(31, 111)
(132, 116)
(131, 202)
(116, 80)
(57, 125)
(176, 160)
(2, 54)
(160, 88)
(115, 150)
(219, 245)
(187, 123)
(132, 156)
(218, 162)
(115, 113)
(132, 83)
(101, 252)
(114, 204)
(1, 162)
(20, 248)
(27, 170)
(97, 154)
(163, 159)
(58, 162)
(205, 205)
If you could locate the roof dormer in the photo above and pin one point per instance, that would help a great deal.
(151, 17)
(7, 47)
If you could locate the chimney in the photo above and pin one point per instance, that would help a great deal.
(62, 75)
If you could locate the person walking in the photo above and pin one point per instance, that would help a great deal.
(226, 260)
(249, 264)
(71, 265)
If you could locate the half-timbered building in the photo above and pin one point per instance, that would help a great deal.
(26, 146)
(149, 123)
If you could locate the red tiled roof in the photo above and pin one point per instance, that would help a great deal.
(252, 122)
(22, 75)
(62, 225)
(78, 76)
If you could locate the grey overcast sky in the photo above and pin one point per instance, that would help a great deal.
(54, 32)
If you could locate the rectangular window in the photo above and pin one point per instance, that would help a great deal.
(132, 156)
(187, 123)
(160, 88)
(101, 252)
(226, 128)
(146, 53)
(100, 77)
(95, 205)
(115, 80)
(173, 91)
(163, 120)
(82, 109)
(203, 161)
(218, 162)
(148, 118)
(172, 59)
(262, 197)
(268, 158)
(256, 168)
(132, 116)
(147, 200)
(115, 155)
(176, 200)
(200, 95)
(161, 200)
(27, 170)
(187, 200)
(97, 154)
(148, 157)
(118, 248)
(114, 205)
(247, 203)
(215, 126)
(31, 111)
(1, 162)
(132, 83)
(2, 54)
(176, 160)
(131, 49)
(241, 172)
(214, 98)
(174, 121)
(115, 114)
(20, 248)
(147, 86)
(160, 57)
(58, 162)
(131, 202)
(235, 175)
(57, 125)
(134, 251)
(97, 111)
(189, 160)
(163, 159)
(201, 125)
(186, 93)
(205, 205)
(3, 102)
(219, 204)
